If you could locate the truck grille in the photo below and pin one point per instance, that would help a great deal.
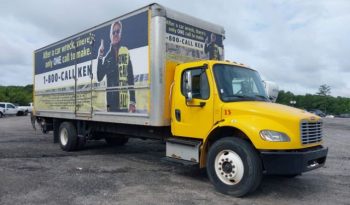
(311, 132)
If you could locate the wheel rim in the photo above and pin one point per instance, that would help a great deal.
(64, 136)
(229, 167)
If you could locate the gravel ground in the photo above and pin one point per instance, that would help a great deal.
(33, 170)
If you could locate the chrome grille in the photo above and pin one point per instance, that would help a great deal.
(311, 132)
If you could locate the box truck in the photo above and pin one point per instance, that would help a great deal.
(156, 73)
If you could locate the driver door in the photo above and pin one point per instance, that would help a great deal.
(10, 109)
(193, 118)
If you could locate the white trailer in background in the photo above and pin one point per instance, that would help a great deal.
(272, 89)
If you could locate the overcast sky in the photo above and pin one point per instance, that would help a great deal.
(297, 44)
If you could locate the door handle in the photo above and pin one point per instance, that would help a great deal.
(178, 115)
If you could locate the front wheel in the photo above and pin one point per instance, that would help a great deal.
(234, 167)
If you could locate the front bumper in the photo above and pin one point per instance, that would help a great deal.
(293, 162)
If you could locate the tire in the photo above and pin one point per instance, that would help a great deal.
(1, 115)
(68, 137)
(116, 140)
(234, 167)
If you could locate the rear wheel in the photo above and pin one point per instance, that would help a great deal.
(233, 166)
(68, 136)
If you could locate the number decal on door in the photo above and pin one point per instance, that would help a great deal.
(227, 112)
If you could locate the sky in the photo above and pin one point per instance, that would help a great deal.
(297, 44)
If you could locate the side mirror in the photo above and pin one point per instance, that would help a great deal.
(188, 85)
(271, 90)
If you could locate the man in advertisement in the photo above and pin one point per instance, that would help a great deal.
(212, 48)
(116, 66)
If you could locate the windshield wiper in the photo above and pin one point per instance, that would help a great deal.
(244, 97)
(249, 97)
(241, 96)
(262, 96)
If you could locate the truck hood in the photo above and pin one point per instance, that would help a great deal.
(267, 110)
(252, 117)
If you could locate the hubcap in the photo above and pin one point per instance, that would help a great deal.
(64, 136)
(229, 167)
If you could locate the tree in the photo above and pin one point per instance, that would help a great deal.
(329, 104)
(21, 95)
(324, 90)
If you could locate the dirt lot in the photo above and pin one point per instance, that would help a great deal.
(33, 170)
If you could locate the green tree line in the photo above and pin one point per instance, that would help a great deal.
(321, 101)
(20, 95)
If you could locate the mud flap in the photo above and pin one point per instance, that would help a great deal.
(32, 120)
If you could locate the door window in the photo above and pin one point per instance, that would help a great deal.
(200, 84)
(10, 106)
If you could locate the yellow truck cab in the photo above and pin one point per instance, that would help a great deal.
(242, 133)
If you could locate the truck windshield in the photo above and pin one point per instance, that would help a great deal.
(239, 84)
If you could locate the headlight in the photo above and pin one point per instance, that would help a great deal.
(273, 136)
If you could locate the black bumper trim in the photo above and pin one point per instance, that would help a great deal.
(293, 162)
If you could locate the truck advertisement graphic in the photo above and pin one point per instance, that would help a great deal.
(104, 69)
(185, 43)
